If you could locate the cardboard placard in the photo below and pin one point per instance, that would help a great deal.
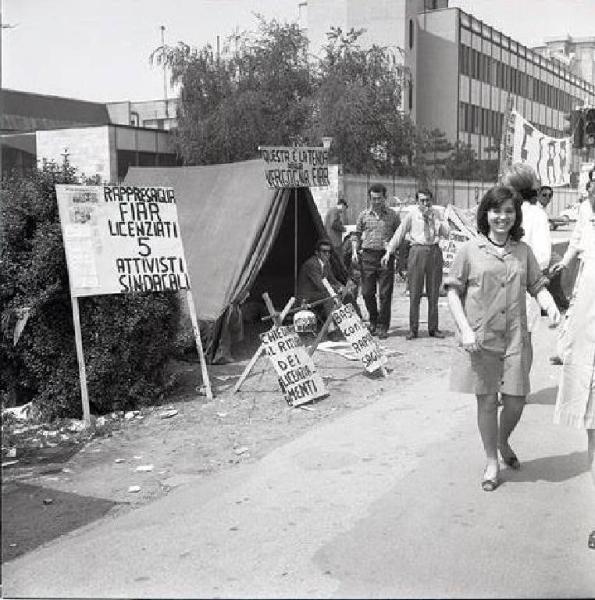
(359, 337)
(291, 167)
(121, 239)
(298, 379)
(450, 247)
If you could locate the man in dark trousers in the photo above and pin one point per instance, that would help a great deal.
(375, 227)
(424, 227)
(334, 223)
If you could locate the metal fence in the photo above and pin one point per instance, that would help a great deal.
(464, 194)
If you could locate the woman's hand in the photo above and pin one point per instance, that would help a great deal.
(469, 341)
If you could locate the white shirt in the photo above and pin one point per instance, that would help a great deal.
(537, 233)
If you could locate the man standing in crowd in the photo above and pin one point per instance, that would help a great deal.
(375, 227)
(334, 223)
(425, 262)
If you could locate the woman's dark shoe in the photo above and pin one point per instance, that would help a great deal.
(591, 543)
(511, 460)
(489, 484)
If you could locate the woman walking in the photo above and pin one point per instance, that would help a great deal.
(486, 287)
(575, 404)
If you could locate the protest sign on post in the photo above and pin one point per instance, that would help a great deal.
(359, 336)
(297, 376)
(293, 167)
(121, 240)
(299, 166)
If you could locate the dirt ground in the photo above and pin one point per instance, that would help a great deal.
(47, 494)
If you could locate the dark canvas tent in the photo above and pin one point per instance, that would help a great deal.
(238, 236)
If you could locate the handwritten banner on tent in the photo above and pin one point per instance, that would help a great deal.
(359, 336)
(121, 239)
(289, 167)
(550, 157)
(298, 379)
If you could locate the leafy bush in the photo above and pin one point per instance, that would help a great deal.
(126, 339)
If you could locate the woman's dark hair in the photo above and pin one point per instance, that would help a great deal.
(494, 198)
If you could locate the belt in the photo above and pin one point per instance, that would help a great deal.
(373, 250)
(425, 245)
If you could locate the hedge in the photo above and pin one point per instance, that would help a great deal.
(127, 339)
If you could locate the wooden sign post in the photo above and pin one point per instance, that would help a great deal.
(358, 335)
(122, 240)
(297, 375)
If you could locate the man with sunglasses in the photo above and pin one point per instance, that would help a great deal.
(424, 227)
(545, 196)
(310, 287)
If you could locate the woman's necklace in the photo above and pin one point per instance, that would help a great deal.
(496, 243)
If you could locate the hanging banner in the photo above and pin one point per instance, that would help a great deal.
(358, 335)
(298, 379)
(550, 157)
(290, 167)
(120, 239)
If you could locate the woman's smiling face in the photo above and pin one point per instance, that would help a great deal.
(502, 218)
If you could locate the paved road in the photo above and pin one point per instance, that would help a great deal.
(384, 502)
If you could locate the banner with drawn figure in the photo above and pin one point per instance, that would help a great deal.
(287, 167)
(121, 239)
(550, 157)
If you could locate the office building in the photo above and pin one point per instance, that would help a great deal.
(459, 71)
(99, 139)
(578, 54)
(463, 71)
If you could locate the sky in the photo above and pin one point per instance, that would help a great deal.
(99, 49)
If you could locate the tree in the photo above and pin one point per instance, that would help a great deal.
(462, 163)
(356, 101)
(256, 92)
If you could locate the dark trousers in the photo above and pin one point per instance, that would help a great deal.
(424, 264)
(554, 287)
(373, 274)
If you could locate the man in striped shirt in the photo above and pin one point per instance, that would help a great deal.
(375, 226)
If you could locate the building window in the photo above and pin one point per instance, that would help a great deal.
(410, 94)
(411, 33)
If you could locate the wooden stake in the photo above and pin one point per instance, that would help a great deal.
(295, 242)
(277, 320)
(201, 355)
(78, 340)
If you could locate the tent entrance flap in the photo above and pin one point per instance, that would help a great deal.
(276, 275)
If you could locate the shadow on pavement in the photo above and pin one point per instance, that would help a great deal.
(29, 522)
(545, 396)
(550, 468)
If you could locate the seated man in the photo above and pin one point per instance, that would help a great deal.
(310, 287)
